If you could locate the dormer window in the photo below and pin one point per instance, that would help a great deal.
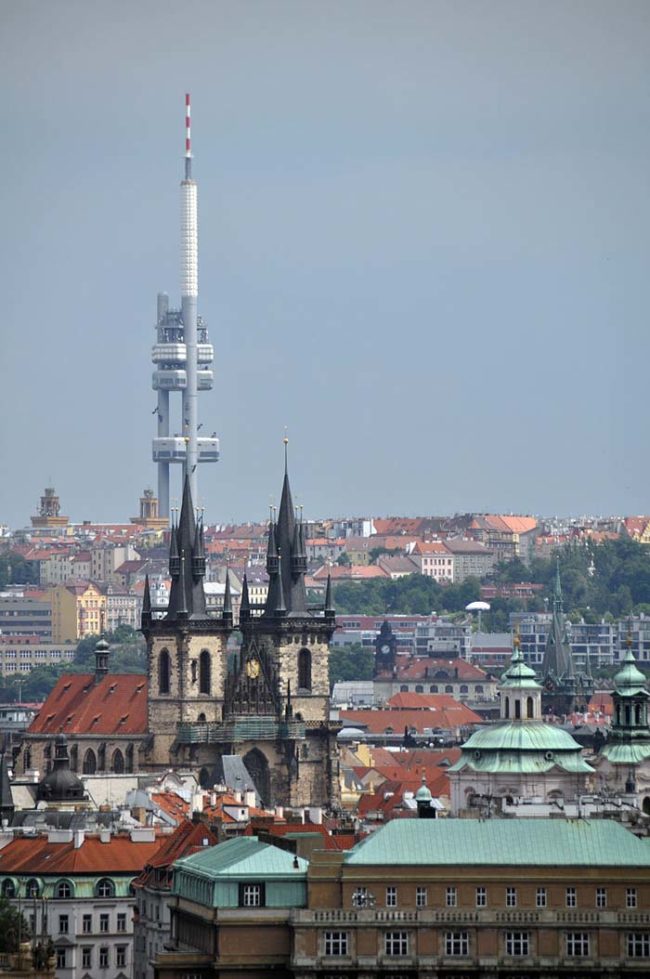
(251, 895)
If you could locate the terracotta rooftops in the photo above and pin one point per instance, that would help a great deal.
(29, 855)
(79, 705)
(187, 838)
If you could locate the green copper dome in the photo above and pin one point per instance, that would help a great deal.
(423, 794)
(519, 675)
(513, 746)
(630, 680)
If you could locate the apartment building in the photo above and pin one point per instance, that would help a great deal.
(77, 888)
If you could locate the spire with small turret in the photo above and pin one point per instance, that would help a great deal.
(187, 554)
(286, 560)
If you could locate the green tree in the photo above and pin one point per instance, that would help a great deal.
(13, 927)
(344, 560)
(354, 662)
(15, 570)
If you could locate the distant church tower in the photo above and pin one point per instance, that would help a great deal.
(186, 650)
(268, 702)
(280, 686)
(566, 689)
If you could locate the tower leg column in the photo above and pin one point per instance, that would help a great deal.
(163, 467)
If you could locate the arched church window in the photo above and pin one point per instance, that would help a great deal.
(529, 707)
(74, 758)
(204, 672)
(90, 763)
(163, 671)
(449, 688)
(129, 757)
(193, 670)
(200, 719)
(404, 688)
(637, 713)
(628, 715)
(304, 669)
(517, 709)
(507, 710)
(118, 762)
(433, 688)
(419, 688)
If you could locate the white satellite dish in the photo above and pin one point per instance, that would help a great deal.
(478, 607)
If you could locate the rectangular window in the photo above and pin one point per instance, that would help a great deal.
(638, 945)
(103, 957)
(391, 897)
(540, 899)
(481, 897)
(120, 956)
(87, 924)
(601, 897)
(396, 943)
(61, 958)
(336, 943)
(511, 897)
(361, 898)
(420, 897)
(64, 924)
(251, 895)
(630, 897)
(571, 898)
(457, 943)
(451, 897)
(103, 922)
(517, 943)
(87, 957)
(577, 943)
(121, 921)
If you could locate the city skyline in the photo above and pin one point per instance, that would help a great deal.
(423, 241)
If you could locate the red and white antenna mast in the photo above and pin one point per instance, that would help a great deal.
(188, 137)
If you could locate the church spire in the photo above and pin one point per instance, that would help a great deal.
(558, 606)
(292, 563)
(329, 605)
(245, 605)
(187, 598)
(227, 601)
(146, 603)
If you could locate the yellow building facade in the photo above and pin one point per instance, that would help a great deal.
(78, 611)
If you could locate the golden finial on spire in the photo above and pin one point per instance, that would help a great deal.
(516, 640)
(286, 443)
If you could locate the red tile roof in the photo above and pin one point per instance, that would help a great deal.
(29, 855)
(389, 797)
(172, 804)
(186, 839)
(448, 716)
(420, 669)
(77, 705)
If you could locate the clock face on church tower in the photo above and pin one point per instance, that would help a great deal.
(385, 649)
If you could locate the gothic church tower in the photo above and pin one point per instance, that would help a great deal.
(186, 651)
(282, 677)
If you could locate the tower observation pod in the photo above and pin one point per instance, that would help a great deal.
(182, 356)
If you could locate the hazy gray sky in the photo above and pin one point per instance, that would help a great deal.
(424, 248)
